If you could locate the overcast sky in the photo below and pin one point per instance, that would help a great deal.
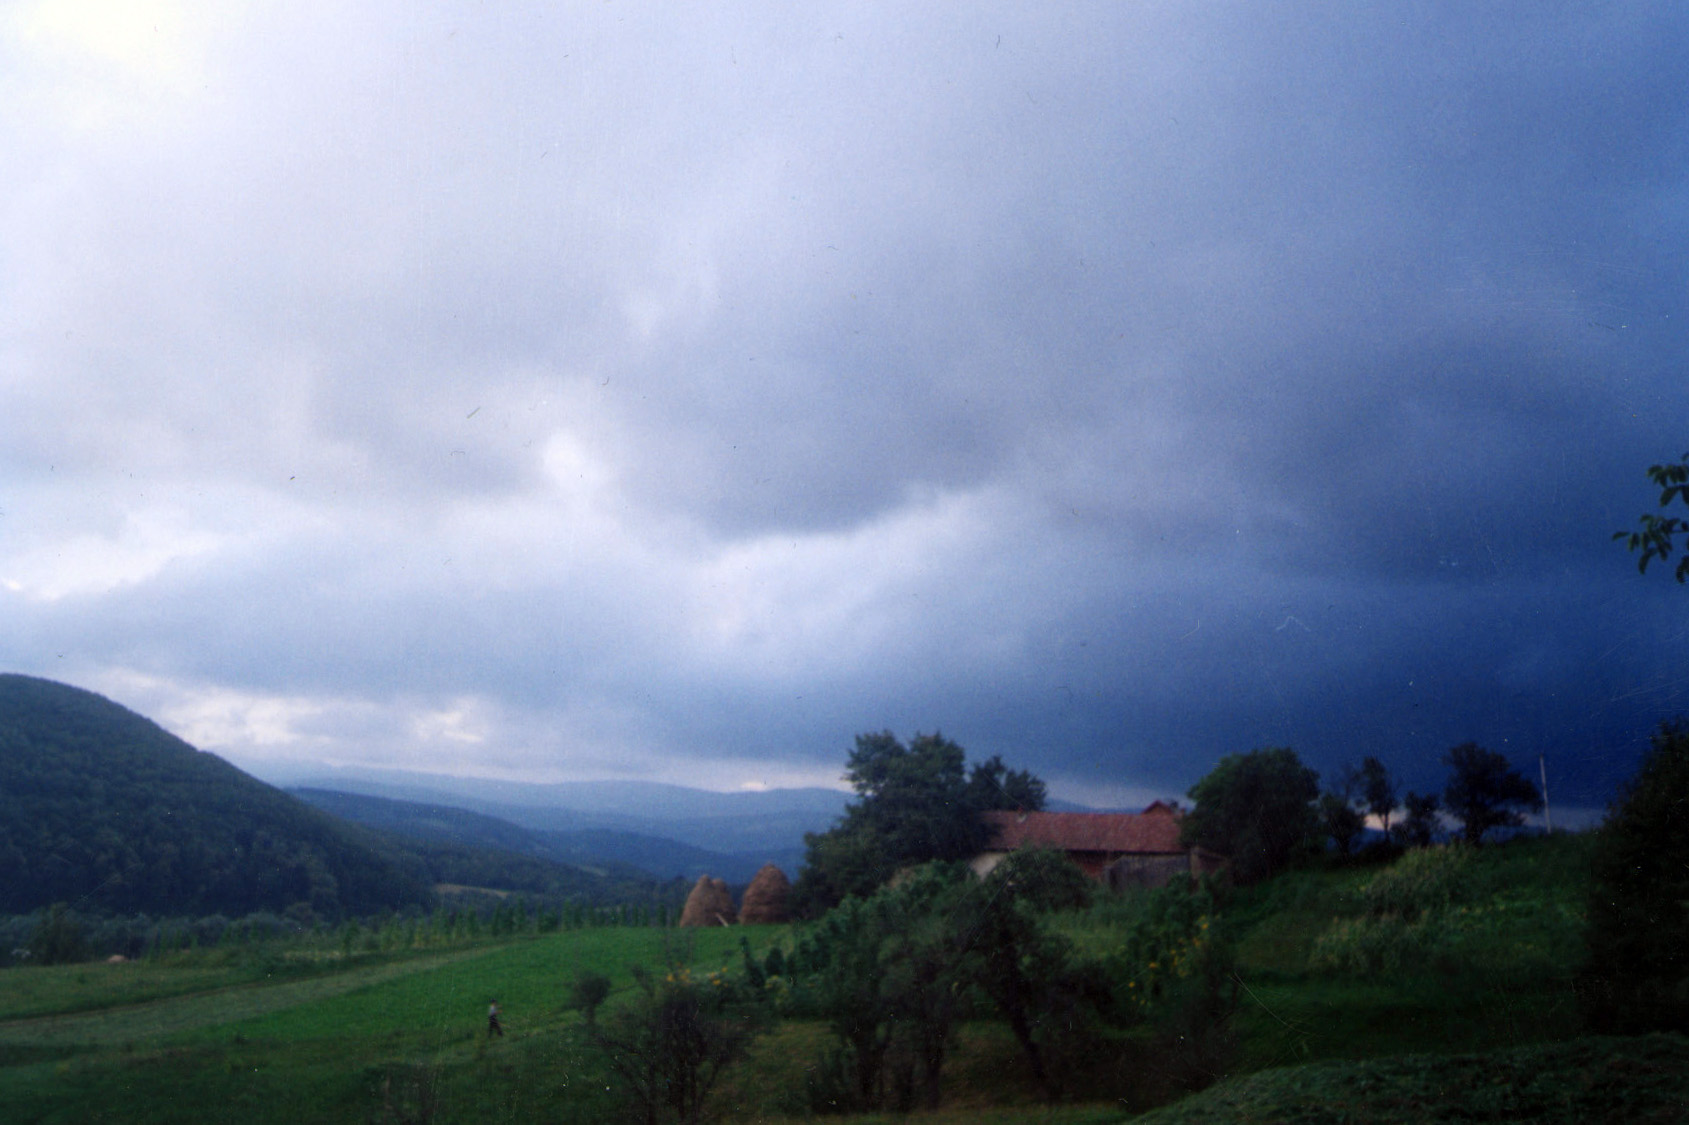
(674, 392)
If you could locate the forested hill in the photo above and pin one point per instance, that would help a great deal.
(103, 809)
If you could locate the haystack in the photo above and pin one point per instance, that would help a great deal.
(765, 898)
(709, 904)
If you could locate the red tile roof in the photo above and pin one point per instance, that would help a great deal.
(1154, 831)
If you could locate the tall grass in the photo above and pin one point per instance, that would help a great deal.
(1512, 912)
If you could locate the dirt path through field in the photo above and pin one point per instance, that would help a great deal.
(156, 1019)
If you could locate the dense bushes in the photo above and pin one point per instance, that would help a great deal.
(895, 973)
(473, 918)
(1637, 976)
(887, 974)
(672, 1043)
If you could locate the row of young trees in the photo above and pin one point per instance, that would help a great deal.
(1264, 808)
(59, 934)
(1484, 792)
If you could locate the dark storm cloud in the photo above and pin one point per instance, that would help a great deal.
(677, 394)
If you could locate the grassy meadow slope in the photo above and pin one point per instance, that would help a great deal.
(1487, 959)
(1439, 988)
(362, 1039)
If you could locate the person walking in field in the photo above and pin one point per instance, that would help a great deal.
(493, 1027)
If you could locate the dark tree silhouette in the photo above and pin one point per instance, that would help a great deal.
(1637, 977)
(1378, 791)
(1343, 822)
(1485, 791)
(1257, 809)
(1419, 827)
(917, 803)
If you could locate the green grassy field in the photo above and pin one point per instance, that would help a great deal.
(1474, 1010)
(394, 1038)
(1496, 968)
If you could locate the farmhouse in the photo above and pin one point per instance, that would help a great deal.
(1118, 849)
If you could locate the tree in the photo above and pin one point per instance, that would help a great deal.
(917, 803)
(1378, 791)
(1419, 827)
(892, 973)
(1656, 538)
(58, 938)
(1339, 815)
(671, 1044)
(889, 974)
(1485, 791)
(992, 785)
(1257, 809)
(1343, 822)
(587, 992)
(1637, 976)
(1026, 967)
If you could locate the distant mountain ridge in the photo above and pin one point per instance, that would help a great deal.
(590, 848)
(768, 824)
(664, 829)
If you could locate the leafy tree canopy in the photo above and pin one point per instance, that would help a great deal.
(1656, 537)
(1485, 791)
(916, 803)
(993, 785)
(1256, 808)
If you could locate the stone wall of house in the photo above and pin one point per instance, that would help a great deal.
(1145, 871)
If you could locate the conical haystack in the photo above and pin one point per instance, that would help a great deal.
(709, 904)
(765, 898)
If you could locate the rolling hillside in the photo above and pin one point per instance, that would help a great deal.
(105, 810)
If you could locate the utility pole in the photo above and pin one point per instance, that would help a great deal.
(1547, 819)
